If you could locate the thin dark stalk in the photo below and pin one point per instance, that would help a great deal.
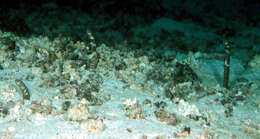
(226, 65)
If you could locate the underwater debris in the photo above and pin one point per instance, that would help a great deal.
(186, 91)
(183, 134)
(79, 112)
(147, 101)
(66, 105)
(184, 73)
(41, 107)
(133, 110)
(4, 112)
(208, 134)
(129, 130)
(93, 125)
(160, 105)
(228, 110)
(10, 104)
(163, 116)
(24, 90)
(9, 43)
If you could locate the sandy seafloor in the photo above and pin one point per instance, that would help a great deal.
(20, 119)
(243, 124)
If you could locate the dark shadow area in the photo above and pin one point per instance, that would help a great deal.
(45, 17)
(14, 12)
